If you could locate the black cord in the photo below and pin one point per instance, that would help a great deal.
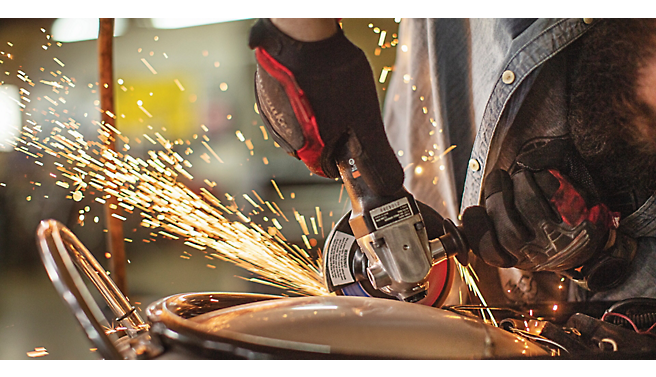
(126, 314)
(535, 337)
(640, 312)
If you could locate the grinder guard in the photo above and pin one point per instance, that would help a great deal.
(344, 263)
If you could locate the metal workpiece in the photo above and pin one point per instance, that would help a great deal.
(219, 325)
(63, 255)
(399, 257)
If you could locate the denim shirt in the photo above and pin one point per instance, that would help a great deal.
(457, 86)
(456, 77)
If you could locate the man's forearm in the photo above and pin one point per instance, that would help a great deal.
(306, 29)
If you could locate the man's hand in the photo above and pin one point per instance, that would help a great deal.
(313, 96)
(537, 218)
(541, 222)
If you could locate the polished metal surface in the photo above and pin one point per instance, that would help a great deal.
(257, 326)
(341, 327)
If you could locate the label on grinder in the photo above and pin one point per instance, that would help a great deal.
(338, 263)
(390, 213)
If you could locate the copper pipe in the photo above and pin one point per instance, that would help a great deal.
(114, 225)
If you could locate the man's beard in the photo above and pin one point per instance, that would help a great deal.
(614, 129)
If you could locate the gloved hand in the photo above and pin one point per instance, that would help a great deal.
(537, 217)
(314, 96)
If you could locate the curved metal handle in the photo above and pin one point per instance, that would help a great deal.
(61, 252)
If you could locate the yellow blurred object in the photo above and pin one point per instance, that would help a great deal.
(160, 101)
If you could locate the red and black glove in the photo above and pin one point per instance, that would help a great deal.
(313, 96)
(538, 218)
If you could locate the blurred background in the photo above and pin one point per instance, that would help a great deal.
(188, 80)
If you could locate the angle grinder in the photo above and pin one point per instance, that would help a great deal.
(389, 246)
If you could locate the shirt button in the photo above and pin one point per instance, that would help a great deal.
(508, 77)
(474, 165)
(587, 21)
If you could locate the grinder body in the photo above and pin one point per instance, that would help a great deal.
(393, 253)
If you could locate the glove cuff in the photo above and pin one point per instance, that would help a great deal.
(298, 56)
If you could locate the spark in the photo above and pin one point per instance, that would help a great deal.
(277, 189)
(51, 100)
(118, 217)
(314, 225)
(257, 196)
(38, 352)
(177, 82)
(265, 135)
(212, 151)
(143, 60)
(54, 84)
(248, 198)
(319, 219)
(268, 204)
(151, 188)
(468, 275)
(301, 221)
(383, 74)
(264, 282)
(381, 40)
(305, 240)
(149, 139)
(145, 111)
(449, 149)
(105, 124)
(168, 235)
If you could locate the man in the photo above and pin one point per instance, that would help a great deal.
(544, 128)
